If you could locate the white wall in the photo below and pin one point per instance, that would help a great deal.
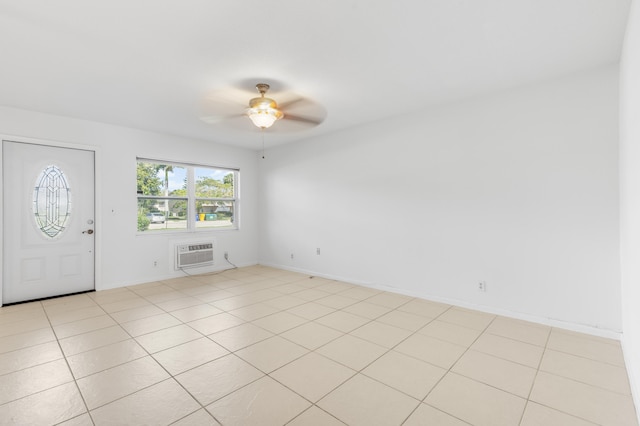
(630, 197)
(123, 256)
(518, 189)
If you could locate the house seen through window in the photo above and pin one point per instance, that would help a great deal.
(185, 197)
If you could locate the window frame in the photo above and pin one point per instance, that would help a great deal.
(191, 199)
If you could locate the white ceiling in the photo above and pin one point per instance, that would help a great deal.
(149, 64)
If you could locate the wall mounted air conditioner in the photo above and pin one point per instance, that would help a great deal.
(194, 254)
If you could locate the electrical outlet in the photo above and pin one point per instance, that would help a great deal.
(318, 251)
(482, 286)
(291, 256)
(226, 255)
(155, 263)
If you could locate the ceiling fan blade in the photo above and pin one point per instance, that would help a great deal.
(314, 121)
(289, 103)
(215, 119)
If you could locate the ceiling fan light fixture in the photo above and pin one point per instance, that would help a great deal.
(264, 116)
(262, 111)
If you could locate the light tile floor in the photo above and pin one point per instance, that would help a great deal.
(260, 346)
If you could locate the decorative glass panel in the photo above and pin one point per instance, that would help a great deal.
(52, 201)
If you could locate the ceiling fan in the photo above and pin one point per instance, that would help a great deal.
(227, 108)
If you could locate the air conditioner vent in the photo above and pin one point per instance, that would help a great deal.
(194, 254)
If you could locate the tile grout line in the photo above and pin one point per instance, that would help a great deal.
(75, 380)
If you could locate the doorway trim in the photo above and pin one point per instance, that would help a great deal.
(96, 191)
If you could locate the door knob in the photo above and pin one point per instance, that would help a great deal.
(88, 231)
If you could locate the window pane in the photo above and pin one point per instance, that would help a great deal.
(51, 201)
(162, 214)
(214, 214)
(214, 183)
(161, 179)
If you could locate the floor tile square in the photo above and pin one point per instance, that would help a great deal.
(35, 379)
(240, 336)
(136, 313)
(405, 320)
(51, 406)
(188, 355)
(25, 326)
(367, 310)
(199, 418)
(285, 302)
(195, 312)
(404, 373)
(509, 349)
(108, 385)
(8, 318)
(29, 357)
(81, 420)
(253, 312)
(389, 300)
(502, 374)
(167, 338)
(67, 316)
(105, 357)
(162, 403)
(92, 340)
(364, 401)
(427, 415)
(315, 417)
(311, 294)
(519, 330)
(586, 347)
(311, 310)
(126, 304)
(539, 415)
(311, 335)
(359, 293)
(585, 370)
(280, 322)
(150, 324)
(432, 350)
(264, 402)
(213, 295)
(475, 402)
(165, 296)
(424, 308)
(83, 326)
(180, 303)
(336, 301)
(450, 332)
(271, 354)
(218, 378)
(342, 321)
(352, 351)
(381, 334)
(467, 318)
(312, 376)
(215, 323)
(24, 340)
(67, 303)
(584, 401)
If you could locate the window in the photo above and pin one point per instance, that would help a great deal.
(185, 197)
(51, 201)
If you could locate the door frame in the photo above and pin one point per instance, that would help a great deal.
(96, 199)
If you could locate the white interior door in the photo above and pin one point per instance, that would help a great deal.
(48, 206)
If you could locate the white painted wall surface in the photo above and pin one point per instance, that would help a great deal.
(518, 189)
(630, 197)
(124, 257)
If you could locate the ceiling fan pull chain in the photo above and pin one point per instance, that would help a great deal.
(262, 132)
